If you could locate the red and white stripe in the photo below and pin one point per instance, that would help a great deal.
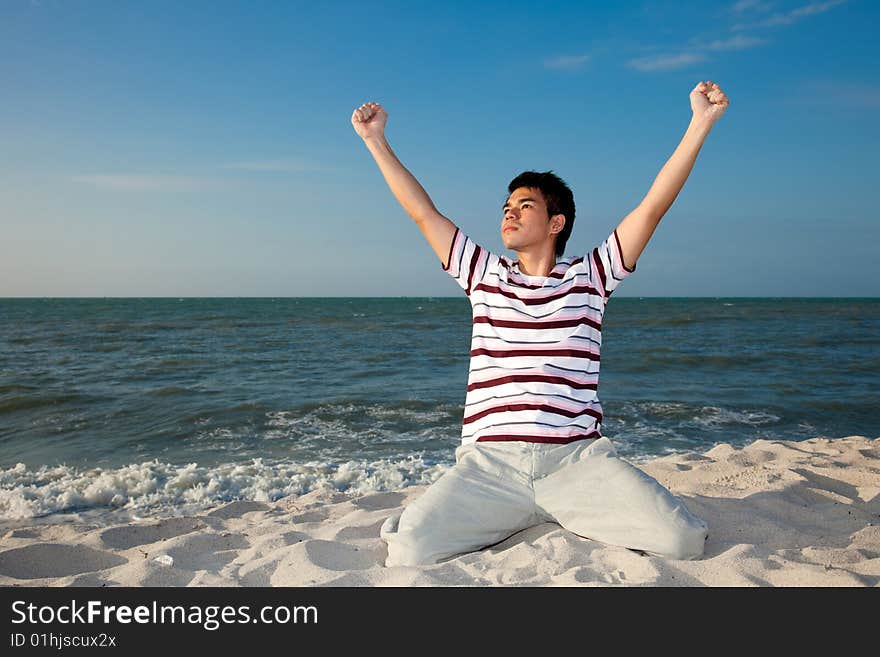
(534, 371)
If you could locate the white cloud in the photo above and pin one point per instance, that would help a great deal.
(144, 182)
(789, 17)
(286, 165)
(567, 62)
(751, 5)
(734, 43)
(692, 53)
(129, 182)
(665, 62)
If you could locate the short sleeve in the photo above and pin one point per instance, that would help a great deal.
(467, 262)
(607, 263)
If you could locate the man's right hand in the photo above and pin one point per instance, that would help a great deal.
(369, 120)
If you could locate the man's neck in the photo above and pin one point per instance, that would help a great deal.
(536, 264)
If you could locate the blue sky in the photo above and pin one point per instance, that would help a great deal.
(205, 148)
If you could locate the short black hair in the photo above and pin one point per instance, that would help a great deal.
(557, 195)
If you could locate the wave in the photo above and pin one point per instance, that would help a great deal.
(684, 414)
(157, 487)
(30, 402)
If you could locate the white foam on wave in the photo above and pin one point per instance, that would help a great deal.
(154, 486)
(703, 415)
(315, 422)
(439, 413)
(713, 416)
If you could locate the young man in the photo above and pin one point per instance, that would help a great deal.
(532, 450)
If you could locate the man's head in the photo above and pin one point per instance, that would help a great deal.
(539, 206)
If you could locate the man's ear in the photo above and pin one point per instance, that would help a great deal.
(557, 222)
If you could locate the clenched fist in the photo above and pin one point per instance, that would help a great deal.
(708, 101)
(369, 120)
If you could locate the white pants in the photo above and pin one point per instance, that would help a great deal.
(496, 489)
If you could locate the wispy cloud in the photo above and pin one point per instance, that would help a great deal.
(792, 16)
(121, 182)
(733, 43)
(567, 62)
(665, 62)
(751, 5)
(161, 182)
(696, 51)
(692, 54)
(286, 165)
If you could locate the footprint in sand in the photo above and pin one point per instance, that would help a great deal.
(339, 556)
(311, 516)
(237, 509)
(379, 501)
(362, 531)
(22, 533)
(129, 536)
(206, 551)
(54, 560)
(349, 579)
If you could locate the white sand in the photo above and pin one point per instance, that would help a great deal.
(780, 513)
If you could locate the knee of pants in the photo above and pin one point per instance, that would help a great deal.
(407, 548)
(686, 543)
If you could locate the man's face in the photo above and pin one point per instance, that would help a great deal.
(526, 222)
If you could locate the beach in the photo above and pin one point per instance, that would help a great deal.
(780, 513)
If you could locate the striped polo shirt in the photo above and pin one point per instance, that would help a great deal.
(534, 370)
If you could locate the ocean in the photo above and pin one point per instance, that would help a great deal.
(115, 408)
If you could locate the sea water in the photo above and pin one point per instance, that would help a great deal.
(159, 406)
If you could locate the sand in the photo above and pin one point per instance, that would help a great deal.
(780, 513)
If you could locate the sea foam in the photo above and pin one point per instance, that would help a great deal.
(156, 487)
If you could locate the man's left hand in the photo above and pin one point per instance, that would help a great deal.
(708, 102)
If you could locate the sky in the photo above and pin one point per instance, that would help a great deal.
(206, 148)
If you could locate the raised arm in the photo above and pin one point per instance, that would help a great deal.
(369, 122)
(708, 103)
